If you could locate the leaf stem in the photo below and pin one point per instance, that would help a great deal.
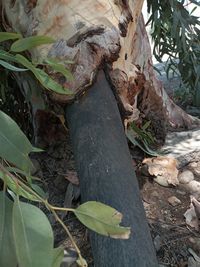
(61, 209)
(70, 236)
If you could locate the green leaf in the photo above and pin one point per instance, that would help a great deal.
(33, 236)
(58, 67)
(102, 219)
(131, 136)
(16, 188)
(58, 254)
(49, 83)
(10, 67)
(4, 36)
(43, 77)
(16, 170)
(7, 248)
(39, 191)
(30, 42)
(146, 125)
(14, 145)
(7, 56)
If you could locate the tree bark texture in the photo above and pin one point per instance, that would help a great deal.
(106, 174)
(94, 34)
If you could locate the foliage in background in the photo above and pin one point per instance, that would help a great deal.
(26, 236)
(176, 33)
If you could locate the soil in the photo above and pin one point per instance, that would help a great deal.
(172, 237)
(56, 168)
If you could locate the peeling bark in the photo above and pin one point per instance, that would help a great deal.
(154, 101)
(90, 34)
(103, 34)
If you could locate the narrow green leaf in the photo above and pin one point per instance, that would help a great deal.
(30, 42)
(7, 248)
(4, 36)
(7, 56)
(146, 125)
(14, 145)
(39, 191)
(58, 67)
(16, 170)
(58, 254)
(43, 77)
(131, 136)
(10, 67)
(102, 219)
(49, 83)
(33, 236)
(16, 188)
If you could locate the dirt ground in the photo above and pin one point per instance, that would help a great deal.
(172, 238)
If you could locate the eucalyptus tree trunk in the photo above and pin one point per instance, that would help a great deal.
(108, 35)
(103, 34)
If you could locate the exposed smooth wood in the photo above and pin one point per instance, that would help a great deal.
(106, 174)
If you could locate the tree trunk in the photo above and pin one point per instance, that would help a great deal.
(92, 34)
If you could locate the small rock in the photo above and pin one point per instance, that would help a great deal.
(185, 177)
(191, 217)
(194, 188)
(174, 201)
(161, 181)
(195, 167)
(180, 192)
(193, 164)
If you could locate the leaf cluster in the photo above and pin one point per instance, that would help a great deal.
(141, 137)
(13, 60)
(176, 33)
